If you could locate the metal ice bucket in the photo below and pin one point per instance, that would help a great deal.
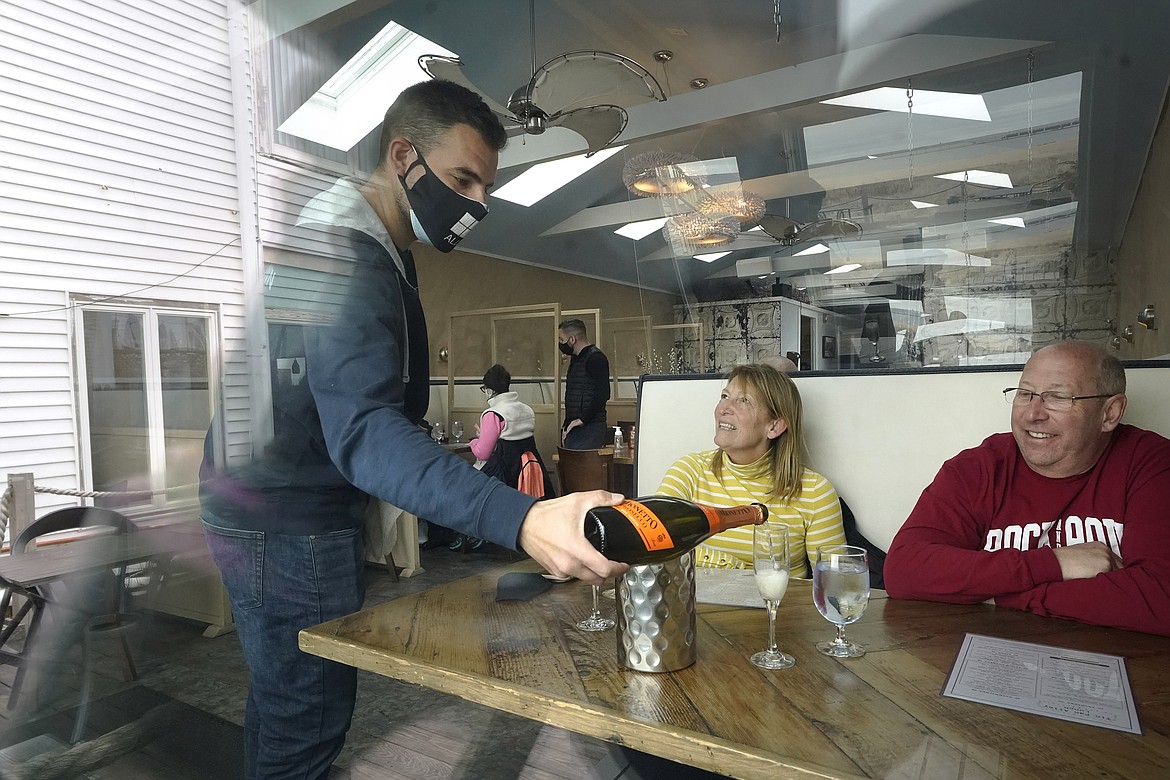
(656, 615)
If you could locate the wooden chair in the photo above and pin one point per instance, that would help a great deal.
(584, 470)
(33, 604)
(99, 602)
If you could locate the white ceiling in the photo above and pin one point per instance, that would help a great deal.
(762, 107)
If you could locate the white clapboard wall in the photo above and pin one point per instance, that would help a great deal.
(118, 183)
(878, 436)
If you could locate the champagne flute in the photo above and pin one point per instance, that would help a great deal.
(595, 622)
(457, 430)
(841, 593)
(770, 560)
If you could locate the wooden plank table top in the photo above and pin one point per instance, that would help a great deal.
(877, 716)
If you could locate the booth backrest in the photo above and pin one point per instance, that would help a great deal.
(879, 436)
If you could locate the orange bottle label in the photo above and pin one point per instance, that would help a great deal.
(646, 523)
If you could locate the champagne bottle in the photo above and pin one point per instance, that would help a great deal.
(658, 528)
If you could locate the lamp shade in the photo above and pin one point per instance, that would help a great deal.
(696, 230)
(657, 174)
(746, 207)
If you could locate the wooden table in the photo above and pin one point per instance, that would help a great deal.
(24, 573)
(876, 716)
(53, 561)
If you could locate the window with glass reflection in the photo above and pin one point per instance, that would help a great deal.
(149, 402)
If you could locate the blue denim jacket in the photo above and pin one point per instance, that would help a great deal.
(349, 433)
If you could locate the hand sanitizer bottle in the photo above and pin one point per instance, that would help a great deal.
(619, 443)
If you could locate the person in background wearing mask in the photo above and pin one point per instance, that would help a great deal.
(586, 389)
(506, 430)
(285, 529)
(505, 437)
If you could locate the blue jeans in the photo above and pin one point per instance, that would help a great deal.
(299, 705)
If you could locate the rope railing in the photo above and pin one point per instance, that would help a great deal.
(6, 498)
(100, 752)
(5, 510)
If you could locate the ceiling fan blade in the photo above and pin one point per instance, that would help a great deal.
(599, 125)
(780, 228)
(584, 78)
(451, 69)
(828, 228)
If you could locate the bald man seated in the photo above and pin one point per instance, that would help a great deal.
(1068, 515)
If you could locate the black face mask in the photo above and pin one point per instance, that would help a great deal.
(440, 216)
(565, 347)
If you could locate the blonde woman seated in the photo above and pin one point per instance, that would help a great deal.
(760, 457)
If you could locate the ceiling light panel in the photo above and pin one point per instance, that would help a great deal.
(711, 257)
(956, 105)
(639, 230)
(543, 179)
(986, 178)
(354, 99)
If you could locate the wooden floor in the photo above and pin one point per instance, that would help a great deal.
(399, 730)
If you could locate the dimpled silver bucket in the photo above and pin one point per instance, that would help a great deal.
(656, 615)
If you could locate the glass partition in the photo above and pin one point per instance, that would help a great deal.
(523, 339)
(943, 186)
(629, 344)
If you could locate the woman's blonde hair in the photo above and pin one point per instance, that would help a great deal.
(779, 400)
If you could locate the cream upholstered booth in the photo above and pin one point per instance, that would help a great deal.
(879, 436)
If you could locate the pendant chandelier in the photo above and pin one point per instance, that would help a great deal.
(658, 174)
(695, 230)
(746, 207)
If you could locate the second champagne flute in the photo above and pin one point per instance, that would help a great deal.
(841, 594)
(457, 430)
(770, 561)
(595, 622)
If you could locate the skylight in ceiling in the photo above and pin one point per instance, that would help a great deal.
(950, 104)
(354, 100)
(844, 269)
(545, 178)
(987, 178)
(711, 257)
(639, 230)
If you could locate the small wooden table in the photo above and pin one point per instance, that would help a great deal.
(24, 573)
(53, 561)
(876, 716)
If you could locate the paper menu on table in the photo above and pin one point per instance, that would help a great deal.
(1072, 685)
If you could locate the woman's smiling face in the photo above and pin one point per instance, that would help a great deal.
(743, 427)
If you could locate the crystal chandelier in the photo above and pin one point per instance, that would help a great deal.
(746, 207)
(658, 174)
(698, 230)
